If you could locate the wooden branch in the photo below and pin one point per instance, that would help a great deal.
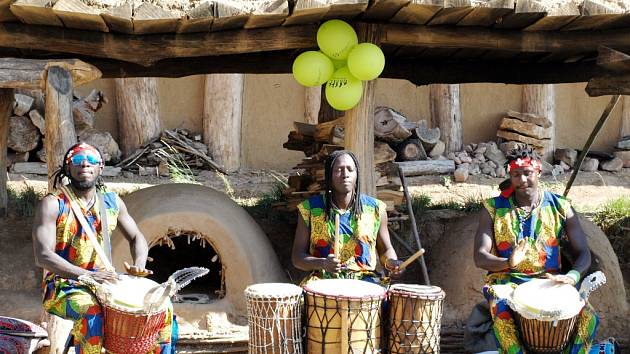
(6, 103)
(194, 151)
(30, 74)
(609, 85)
(613, 60)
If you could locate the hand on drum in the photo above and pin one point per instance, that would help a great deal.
(393, 266)
(332, 264)
(561, 278)
(519, 253)
(104, 276)
(137, 271)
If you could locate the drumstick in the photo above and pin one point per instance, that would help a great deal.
(337, 240)
(411, 259)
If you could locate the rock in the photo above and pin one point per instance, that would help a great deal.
(451, 156)
(462, 154)
(23, 134)
(468, 149)
(127, 174)
(564, 166)
(495, 155)
(38, 121)
(465, 165)
(492, 164)
(461, 174)
(142, 171)
(23, 104)
(474, 169)
(525, 128)
(438, 149)
(589, 165)
(508, 146)
(500, 172)
(481, 149)
(557, 170)
(623, 144)
(568, 156)
(531, 118)
(546, 167)
(486, 170)
(201, 147)
(13, 157)
(103, 141)
(163, 169)
(624, 156)
(614, 165)
(465, 159)
(41, 154)
(457, 160)
(479, 157)
(600, 155)
(509, 135)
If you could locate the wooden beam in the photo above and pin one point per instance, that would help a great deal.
(540, 100)
(446, 114)
(609, 85)
(60, 134)
(613, 60)
(312, 104)
(624, 130)
(6, 104)
(30, 74)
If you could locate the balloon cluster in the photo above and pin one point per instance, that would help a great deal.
(342, 63)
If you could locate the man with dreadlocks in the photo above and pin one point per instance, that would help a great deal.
(63, 247)
(519, 239)
(362, 228)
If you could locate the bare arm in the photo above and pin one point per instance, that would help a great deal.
(302, 259)
(137, 243)
(483, 246)
(579, 245)
(384, 245)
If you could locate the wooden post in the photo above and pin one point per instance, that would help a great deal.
(625, 118)
(312, 103)
(138, 111)
(60, 134)
(6, 102)
(222, 116)
(359, 123)
(540, 100)
(446, 114)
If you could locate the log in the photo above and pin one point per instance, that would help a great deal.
(222, 118)
(410, 150)
(525, 128)
(38, 121)
(383, 153)
(23, 104)
(23, 134)
(31, 73)
(427, 167)
(325, 131)
(312, 104)
(104, 142)
(60, 134)
(624, 130)
(138, 112)
(359, 136)
(446, 114)
(36, 12)
(428, 137)
(540, 100)
(389, 125)
(6, 104)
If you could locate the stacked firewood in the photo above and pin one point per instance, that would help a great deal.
(173, 148)
(27, 127)
(526, 128)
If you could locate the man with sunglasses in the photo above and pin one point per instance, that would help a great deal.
(71, 238)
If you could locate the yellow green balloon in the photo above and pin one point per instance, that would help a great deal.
(366, 61)
(343, 91)
(336, 39)
(312, 68)
(338, 64)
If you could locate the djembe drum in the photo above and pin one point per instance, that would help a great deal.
(274, 316)
(343, 316)
(415, 315)
(546, 313)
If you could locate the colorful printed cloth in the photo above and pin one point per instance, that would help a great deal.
(358, 250)
(69, 299)
(544, 228)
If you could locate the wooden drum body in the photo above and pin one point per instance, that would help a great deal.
(415, 315)
(343, 316)
(274, 316)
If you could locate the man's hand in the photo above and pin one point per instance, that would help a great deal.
(519, 253)
(332, 264)
(393, 266)
(103, 276)
(137, 271)
(561, 278)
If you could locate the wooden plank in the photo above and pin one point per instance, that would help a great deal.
(6, 104)
(198, 19)
(451, 13)
(60, 133)
(307, 11)
(487, 13)
(229, 14)
(76, 14)
(346, 9)
(384, 10)
(5, 12)
(438, 53)
(36, 12)
(559, 14)
(119, 19)
(613, 60)
(519, 20)
(30, 74)
(149, 18)
(267, 13)
(598, 14)
(608, 85)
(417, 12)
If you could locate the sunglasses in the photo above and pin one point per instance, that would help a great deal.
(77, 160)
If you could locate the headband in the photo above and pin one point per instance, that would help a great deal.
(524, 162)
(81, 148)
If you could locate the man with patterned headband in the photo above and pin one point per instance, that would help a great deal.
(519, 239)
(66, 250)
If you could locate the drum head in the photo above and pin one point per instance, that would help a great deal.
(345, 288)
(128, 292)
(276, 290)
(546, 300)
(418, 291)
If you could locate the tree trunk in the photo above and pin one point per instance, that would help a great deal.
(222, 116)
(6, 103)
(359, 123)
(60, 134)
(137, 106)
(446, 114)
(326, 112)
(625, 118)
(312, 103)
(539, 99)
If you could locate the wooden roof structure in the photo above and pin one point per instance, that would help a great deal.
(425, 41)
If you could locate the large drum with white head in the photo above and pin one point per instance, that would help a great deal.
(343, 316)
